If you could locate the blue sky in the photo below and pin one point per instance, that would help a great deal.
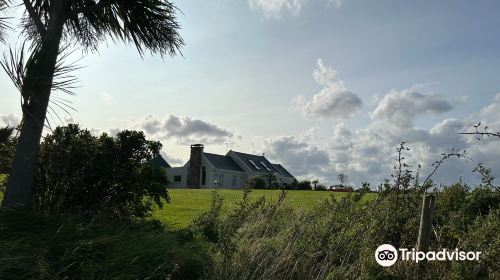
(322, 86)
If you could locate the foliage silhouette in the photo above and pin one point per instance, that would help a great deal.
(84, 174)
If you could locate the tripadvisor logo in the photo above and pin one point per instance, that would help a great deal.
(387, 255)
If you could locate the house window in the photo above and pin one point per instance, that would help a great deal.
(177, 178)
(203, 176)
(221, 179)
(235, 180)
(254, 164)
(265, 166)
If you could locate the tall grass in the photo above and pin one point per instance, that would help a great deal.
(337, 239)
(57, 247)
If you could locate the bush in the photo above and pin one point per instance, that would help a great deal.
(7, 149)
(81, 173)
(256, 183)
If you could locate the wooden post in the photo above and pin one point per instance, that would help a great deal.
(424, 232)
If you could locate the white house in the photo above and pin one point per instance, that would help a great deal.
(231, 171)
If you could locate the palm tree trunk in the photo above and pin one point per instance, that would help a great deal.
(37, 85)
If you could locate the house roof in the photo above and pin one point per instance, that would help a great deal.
(257, 163)
(222, 162)
(159, 161)
(282, 170)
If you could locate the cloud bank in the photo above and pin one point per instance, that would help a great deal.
(369, 153)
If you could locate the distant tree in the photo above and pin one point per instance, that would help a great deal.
(320, 187)
(365, 187)
(315, 182)
(304, 185)
(49, 27)
(342, 178)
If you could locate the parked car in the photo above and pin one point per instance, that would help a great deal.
(339, 188)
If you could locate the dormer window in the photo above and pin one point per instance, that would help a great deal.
(254, 164)
(265, 166)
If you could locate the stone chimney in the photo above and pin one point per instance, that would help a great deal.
(194, 171)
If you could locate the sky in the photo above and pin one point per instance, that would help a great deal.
(321, 86)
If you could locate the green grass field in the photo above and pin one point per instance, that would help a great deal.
(186, 204)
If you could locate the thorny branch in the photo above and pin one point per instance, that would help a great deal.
(454, 153)
(480, 134)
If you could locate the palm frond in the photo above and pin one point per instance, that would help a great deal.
(4, 26)
(148, 24)
(15, 64)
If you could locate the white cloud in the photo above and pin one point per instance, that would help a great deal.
(171, 160)
(185, 130)
(334, 101)
(369, 153)
(275, 8)
(298, 156)
(278, 8)
(106, 97)
(492, 111)
(338, 3)
(11, 120)
(402, 107)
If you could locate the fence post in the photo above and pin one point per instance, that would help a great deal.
(424, 232)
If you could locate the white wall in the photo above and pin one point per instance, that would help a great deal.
(177, 171)
(227, 179)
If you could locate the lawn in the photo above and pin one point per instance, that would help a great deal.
(186, 204)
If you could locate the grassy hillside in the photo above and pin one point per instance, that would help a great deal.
(186, 204)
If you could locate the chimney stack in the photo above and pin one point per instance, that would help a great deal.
(194, 172)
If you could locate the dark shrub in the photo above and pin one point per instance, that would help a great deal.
(304, 185)
(81, 173)
(320, 188)
(7, 149)
(257, 183)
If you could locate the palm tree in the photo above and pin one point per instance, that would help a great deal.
(150, 25)
(315, 182)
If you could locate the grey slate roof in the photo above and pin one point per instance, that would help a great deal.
(222, 162)
(282, 170)
(159, 161)
(258, 160)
